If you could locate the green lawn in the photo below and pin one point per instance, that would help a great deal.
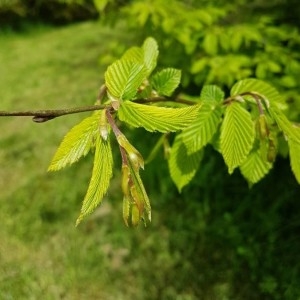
(42, 254)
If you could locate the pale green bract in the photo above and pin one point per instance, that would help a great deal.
(101, 175)
(77, 143)
(254, 168)
(124, 77)
(183, 166)
(156, 118)
(294, 148)
(166, 81)
(237, 135)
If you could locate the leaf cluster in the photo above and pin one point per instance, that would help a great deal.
(246, 128)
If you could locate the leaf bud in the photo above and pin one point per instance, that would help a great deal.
(134, 155)
(103, 126)
(125, 179)
(137, 198)
(271, 154)
(262, 126)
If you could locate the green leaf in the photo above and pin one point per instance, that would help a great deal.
(124, 77)
(291, 131)
(255, 167)
(150, 48)
(166, 81)
(258, 86)
(211, 93)
(237, 135)
(77, 143)
(101, 175)
(183, 166)
(155, 118)
(201, 131)
(210, 43)
(294, 148)
(134, 54)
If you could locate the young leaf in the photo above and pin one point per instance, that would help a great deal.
(150, 48)
(294, 148)
(261, 87)
(124, 77)
(254, 167)
(141, 192)
(237, 135)
(134, 54)
(166, 81)
(155, 118)
(101, 175)
(201, 131)
(183, 166)
(76, 143)
(291, 131)
(210, 43)
(211, 93)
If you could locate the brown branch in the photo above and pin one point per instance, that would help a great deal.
(40, 116)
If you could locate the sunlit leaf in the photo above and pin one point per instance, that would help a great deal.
(150, 48)
(201, 131)
(155, 118)
(294, 148)
(166, 81)
(101, 175)
(211, 93)
(210, 43)
(291, 131)
(254, 168)
(124, 77)
(134, 54)
(258, 86)
(237, 135)
(183, 166)
(77, 143)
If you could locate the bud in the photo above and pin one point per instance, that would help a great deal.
(131, 213)
(126, 210)
(134, 155)
(137, 199)
(271, 154)
(103, 126)
(135, 215)
(125, 179)
(262, 126)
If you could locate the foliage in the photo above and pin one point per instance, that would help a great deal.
(13, 13)
(243, 127)
(221, 42)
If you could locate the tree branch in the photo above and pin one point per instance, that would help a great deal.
(40, 116)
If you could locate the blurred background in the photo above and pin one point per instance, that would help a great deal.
(219, 239)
